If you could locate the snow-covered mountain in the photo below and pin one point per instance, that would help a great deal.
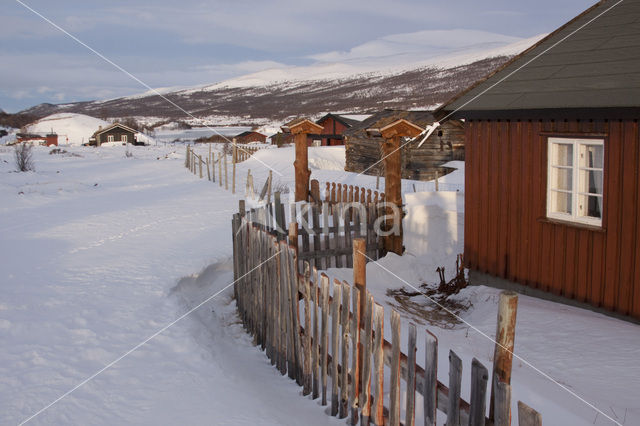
(353, 81)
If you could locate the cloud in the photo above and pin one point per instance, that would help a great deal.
(422, 44)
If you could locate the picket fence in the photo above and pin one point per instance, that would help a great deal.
(324, 231)
(314, 334)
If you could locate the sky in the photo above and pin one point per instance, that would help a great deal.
(189, 42)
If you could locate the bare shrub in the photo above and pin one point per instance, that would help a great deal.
(24, 157)
(280, 187)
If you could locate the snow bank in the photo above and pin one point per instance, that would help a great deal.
(72, 129)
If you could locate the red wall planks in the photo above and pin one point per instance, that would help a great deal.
(506, 234)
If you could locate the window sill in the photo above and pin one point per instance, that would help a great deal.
(579, 225)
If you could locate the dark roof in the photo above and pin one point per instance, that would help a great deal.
(349, 122)
(386, 117)
(592, 62)
(104, 129)
(249, 132)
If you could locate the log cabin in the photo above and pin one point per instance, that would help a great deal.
(363, 141)
(552, 187)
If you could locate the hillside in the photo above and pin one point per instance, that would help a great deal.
(277, 94)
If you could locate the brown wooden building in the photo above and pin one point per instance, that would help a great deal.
(116, 132)
(251, 136)
(552, 184)
(50, 139)
(363, 141)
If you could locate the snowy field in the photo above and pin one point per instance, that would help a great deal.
(100, 251)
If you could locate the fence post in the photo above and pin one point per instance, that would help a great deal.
(234, 160)
(393, 133)
(220, 169)
(301, 163)
(226, 173)
(505, 336)
(360, 282)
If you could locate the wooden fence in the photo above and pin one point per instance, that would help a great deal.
(315, 329)
(243, 152)
(338, 192)
(323, 232)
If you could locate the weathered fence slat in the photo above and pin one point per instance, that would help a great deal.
(335, 345)
(344, 321)
(411, 377)
(455, 382)
(430, 384)
(355, 362)
(394, 393)
(324, 341)
(306, 371)
(365, 372)
(527, 416)
(378, 362)
(315, 354)
(501, 402)
(479, 378)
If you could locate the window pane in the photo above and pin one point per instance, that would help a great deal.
(590, 205)
(561, 202)
(592, 156)
(591, 181)
(562, 179)
(563, 154)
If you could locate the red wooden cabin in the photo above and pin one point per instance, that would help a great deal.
(552, 190)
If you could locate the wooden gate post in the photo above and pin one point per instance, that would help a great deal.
(300, 130)
(505, 337)
(234, 160)
(391, 151)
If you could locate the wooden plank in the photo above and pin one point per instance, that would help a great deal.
(430, 383)
(455, 384)
(324, 342)
(367, 346)
(478, 399)
(315, 216)
(306, 370)
(316, 301)
(612, 171)
(336, 236)
(527, 416)
(344, 321)
(325, 230)
(394, 393)
(378, 363)
(505, 336)
(335, 345)
(355, 357)
(411, 377)
(629, 218)
(501, 402)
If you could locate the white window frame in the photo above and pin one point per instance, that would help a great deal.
(110, 138)
(123, 138)
(575, 167)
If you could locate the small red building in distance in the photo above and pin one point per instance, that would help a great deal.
(250, 136)
(334, 125)
(48, 140)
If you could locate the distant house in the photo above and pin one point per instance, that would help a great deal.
(251, 136)
(48, 140)
(332, 134)
(116, 132)
(553, 158)
(363, 140)
(334, 127)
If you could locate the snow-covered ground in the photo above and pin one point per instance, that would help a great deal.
(100, 251)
